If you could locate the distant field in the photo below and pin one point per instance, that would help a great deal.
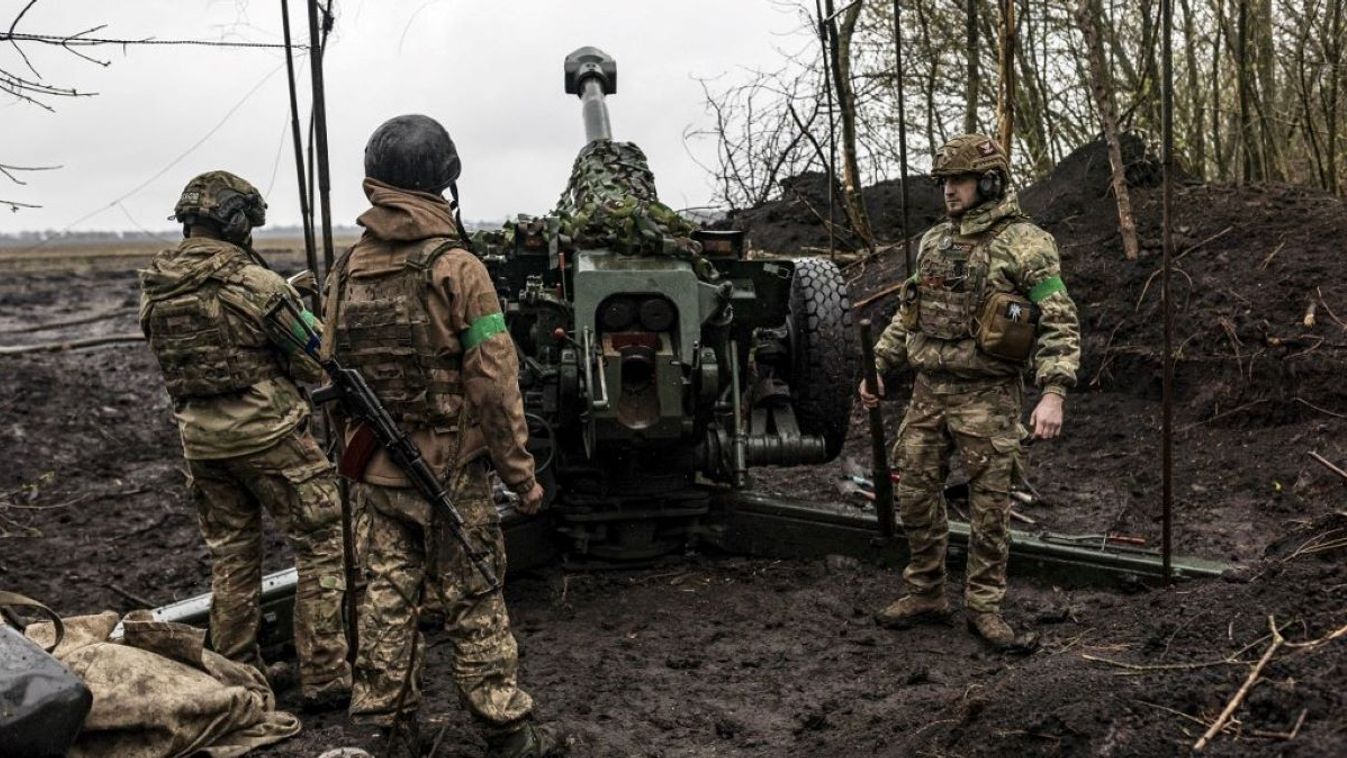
(54, 258)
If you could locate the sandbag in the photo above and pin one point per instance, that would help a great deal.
(43, 704)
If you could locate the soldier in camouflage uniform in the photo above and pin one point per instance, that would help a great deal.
(244, 429)
(416, 313)
(986, 273)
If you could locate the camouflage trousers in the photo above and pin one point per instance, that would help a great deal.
(981, 421)
(293, 481)
(405, 552)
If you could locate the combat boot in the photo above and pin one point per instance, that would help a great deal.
(528, 741)
(912, 609)
(992, 628)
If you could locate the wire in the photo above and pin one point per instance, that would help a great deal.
(77, 41)
(112, 203)
(275, 167)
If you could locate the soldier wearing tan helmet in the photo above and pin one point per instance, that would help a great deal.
(244, 427)
(985, 303)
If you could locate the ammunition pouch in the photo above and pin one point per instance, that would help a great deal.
(1007, 326)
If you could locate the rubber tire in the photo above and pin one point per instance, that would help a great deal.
(825, 358)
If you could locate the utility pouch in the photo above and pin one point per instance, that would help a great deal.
(42, 703)
(1007, 326)
(908, 304)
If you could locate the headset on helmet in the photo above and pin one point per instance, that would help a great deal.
(225, 201)
(978, 155)
(991, 186)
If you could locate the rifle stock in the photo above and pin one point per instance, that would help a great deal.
(360, 448)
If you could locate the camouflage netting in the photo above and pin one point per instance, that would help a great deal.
(610, 201)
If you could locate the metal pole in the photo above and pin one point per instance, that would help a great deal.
(902, 132)
(320, 133)
(879, 451)
(310, 250)
(832, 127)
(1167, 399)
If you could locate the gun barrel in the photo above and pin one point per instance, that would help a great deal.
(591, 74)
(595, 111)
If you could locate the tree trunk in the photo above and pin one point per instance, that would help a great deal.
(1005, 110)
(839, 48)
(1243, 64)
(1197, 129)
(1333, 53)
(971, 55)
(1088, 18)
(1218, 150)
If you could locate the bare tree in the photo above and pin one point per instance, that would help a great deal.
(1087, 15)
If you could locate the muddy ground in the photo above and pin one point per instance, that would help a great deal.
(717, 655)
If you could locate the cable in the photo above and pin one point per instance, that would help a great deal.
(78, 41)
(247, 96)
(275, 166)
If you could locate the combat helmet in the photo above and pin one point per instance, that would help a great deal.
(975, 154)
(225, 200)
(413, 152)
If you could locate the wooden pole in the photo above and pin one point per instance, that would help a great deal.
(310, 248)
(320, 133)
(324, 196)
(1167, 388)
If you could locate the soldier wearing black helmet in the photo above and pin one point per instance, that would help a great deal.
(987, 302)
(244, 429)
(414, 311)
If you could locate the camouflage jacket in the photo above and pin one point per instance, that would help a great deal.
(1022, 259)
(463, 318)
(238, 423)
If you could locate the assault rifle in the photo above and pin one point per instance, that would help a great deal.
(375, 427)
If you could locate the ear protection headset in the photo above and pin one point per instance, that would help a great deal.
(238, 213)
(991, 186)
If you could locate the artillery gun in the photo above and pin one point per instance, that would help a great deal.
(657, 357)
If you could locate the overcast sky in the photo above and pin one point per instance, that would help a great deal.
(489, 70)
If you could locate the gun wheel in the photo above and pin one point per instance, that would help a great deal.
(824, 354)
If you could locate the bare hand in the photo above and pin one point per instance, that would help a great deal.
(532, 501)
(868, 400)
(1047, 416)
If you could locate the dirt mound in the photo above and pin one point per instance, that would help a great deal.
(795, 222)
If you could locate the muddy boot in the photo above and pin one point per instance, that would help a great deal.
(333, 696)
(913, 609)
(992, 628)
(528, 741)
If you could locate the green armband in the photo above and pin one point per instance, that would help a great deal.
(303, 339)
(482, 330)
(1047, 287)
